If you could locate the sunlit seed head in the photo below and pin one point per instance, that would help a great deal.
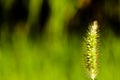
(91, 49)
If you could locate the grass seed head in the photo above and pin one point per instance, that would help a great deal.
(91, 50)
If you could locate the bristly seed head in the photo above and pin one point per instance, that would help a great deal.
(91, 50)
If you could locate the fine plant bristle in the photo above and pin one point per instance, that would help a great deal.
(91, 50)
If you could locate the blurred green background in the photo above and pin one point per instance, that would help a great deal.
(43, 39)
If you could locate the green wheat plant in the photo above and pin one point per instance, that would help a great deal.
(91, 50)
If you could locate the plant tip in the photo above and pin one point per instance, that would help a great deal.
(95, 25)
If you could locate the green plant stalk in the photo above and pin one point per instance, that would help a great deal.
(91, 42)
